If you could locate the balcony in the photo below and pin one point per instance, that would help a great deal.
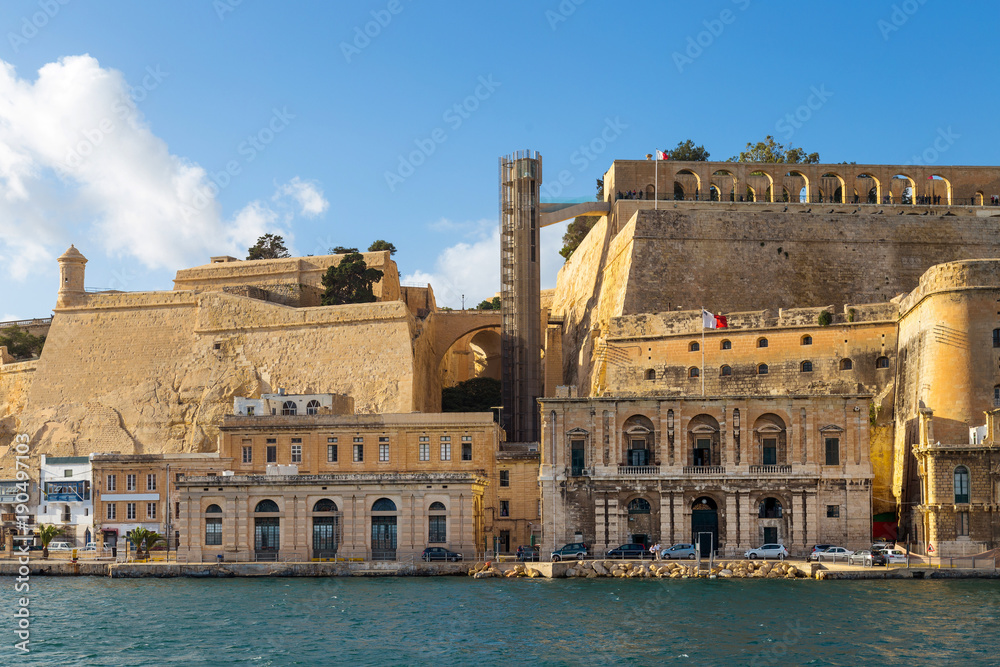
(639, 470)
(704, 470)
(771, 470)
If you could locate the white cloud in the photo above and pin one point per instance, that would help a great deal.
(308, 195)
(7, 317)
(78, 159)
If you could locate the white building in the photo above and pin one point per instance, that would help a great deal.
(293, 404)
(64, 498)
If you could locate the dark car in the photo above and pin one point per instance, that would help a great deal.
(527, 554)
(439, 553)
(630, 551)
(571, 551)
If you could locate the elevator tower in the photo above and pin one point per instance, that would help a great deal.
(520, 298)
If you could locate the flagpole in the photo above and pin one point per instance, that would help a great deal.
(656, 180)
(703, 351)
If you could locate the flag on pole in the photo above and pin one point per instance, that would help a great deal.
(710, 321)
(660, 155)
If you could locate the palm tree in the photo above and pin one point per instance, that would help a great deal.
(144, 540)
(46, 535)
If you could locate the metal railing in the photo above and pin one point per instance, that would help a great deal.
(770, 469)
(27, 323)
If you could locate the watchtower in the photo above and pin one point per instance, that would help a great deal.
(72, 265)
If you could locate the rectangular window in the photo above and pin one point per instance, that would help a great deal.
(438, 531)
(833, 511)
(833, 451)
(272, 453)
(383, 452)
(112, 484)
(962, 527)
(150, 510)
(466, 451)
(331, 453)
(504, 478)
(504, 508)
(296, 441)
(445, 448)
(425, 448)
(359, 453)
(130, 482)
(177, 510)
(112, 511)
(151, 482)
(67, 473)
(247, 454)
(250, 411)
(272, 441)
(296, 453)
(770, 451)
(213, 532)
(130, 511)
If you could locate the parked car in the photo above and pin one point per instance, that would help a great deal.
(832, 554)
(895, 555)
(867, 557)
(679, 551)
(60, 546)
(527, 553)
(881, 546)
(821, 547)
(767, 551)
(439, 553)
(572, 551)
(92, 546)
(630, 551)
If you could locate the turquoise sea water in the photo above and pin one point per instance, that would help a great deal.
(460, 621)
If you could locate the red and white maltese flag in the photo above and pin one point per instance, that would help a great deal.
(710, 321)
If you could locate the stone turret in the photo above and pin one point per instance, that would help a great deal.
(72, 265)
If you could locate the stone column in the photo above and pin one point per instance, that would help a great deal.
(682, 533)
(733, 535)
(811, 518)
(600, 524)
(665, 513)
(243, 527)
(798, 512)
(748, 533)
(613, 521)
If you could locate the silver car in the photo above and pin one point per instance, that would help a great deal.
(767, 551)
(679, 551)
(832, 554)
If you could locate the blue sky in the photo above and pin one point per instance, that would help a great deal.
(310, 128)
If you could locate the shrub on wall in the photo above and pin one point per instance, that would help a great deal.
(825, 318)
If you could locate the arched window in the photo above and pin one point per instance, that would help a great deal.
(807, 340)
(996, 338)
(762, 369)
(961, 484)
(215, 509)
(437, 507)
(694, 372)
(725, 371)
(266, 506)
(806, 367)
(846, 364)
(325, 505)
(312, 407)
(639, 506)
(384, 505)
(693, 347)
(289, 408)
(213, 526)
(761, 342)
(650, 374)
(770, 508)
(882, 362)
(726, 345)
(437, 524)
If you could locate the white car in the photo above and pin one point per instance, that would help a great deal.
(895, 555)
(767, 551)
(832, 554)
(60, 546)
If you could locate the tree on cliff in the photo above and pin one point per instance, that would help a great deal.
(342, 250)
(489, 304)
(19, 343)
(268, 246)
(770, 150)
(350, 281)
(382, 245)
(475, 395)
(577, 230)
(687, 151)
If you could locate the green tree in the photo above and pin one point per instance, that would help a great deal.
(770, 150)
(144, 540)
(382, 245)
(19, 343)
(577, 230)
(350, 281)
(268, 246)
(341, 250)
(687, 151)
(489, 304)
(475, 395)
(46, 533)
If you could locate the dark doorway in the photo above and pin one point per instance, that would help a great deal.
(383, 538)
(503, 542)
(577, 458)
(770, 535)
(703, 452)
(640, 538)
(705, 525)
(770, 451)
(266, 537)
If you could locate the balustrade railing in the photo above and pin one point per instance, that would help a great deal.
(770, 470)
(638, 470)
(704, 470)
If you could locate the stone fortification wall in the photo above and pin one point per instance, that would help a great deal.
(156, 371)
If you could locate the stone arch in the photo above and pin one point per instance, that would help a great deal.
(903, 189)
(638, 443)
(679, 191)
(454, 332)
(762, 182)
(690, 181)
(946, 197)
(800, 186)
(867, 183)
(770, 442)
(725, 181)
(834, 183)
(704, 441)
(979, 198)
(650, 191)
(485, 345)
(770, 515)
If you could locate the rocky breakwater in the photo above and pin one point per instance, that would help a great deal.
(722, 569)
(488, 569)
